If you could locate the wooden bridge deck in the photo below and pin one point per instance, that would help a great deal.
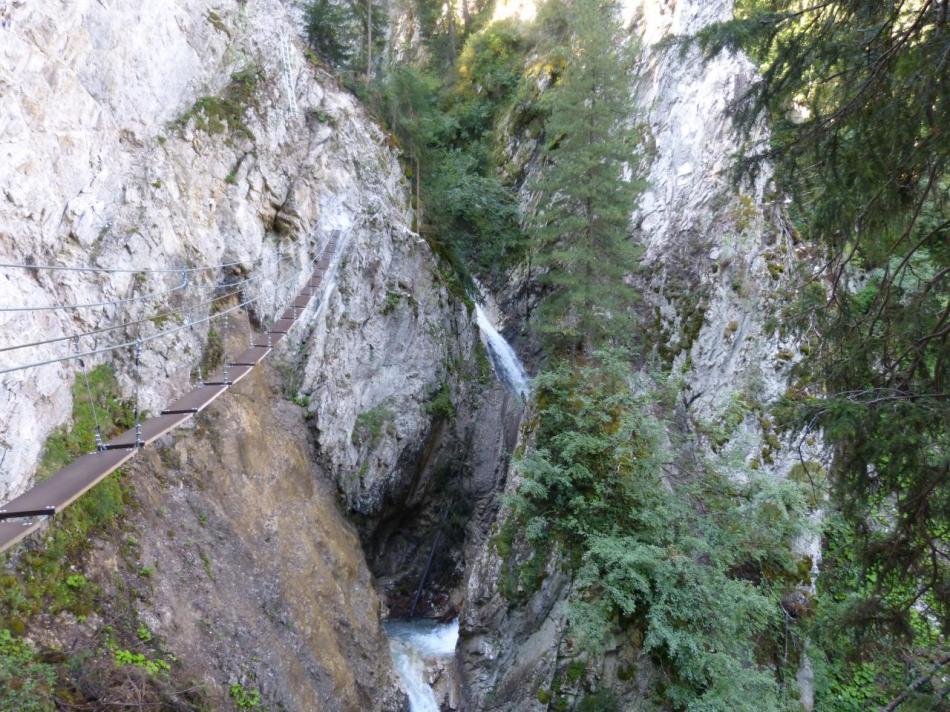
(228, 376)
(64, 487)
(149, 431)
(24, 514)
(251, 356)
(282, 326)
(195, 400)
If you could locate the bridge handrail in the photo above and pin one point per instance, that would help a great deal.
(150, 337)
(151, 317)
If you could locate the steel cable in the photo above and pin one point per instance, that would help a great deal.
(151, 317)
(151, 337)
(108, 270)
(91, 305)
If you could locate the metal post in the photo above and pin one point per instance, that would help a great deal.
(138, 379)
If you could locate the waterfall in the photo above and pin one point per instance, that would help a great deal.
(504, 360)
(412, 644)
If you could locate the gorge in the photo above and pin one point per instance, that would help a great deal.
(558, 427)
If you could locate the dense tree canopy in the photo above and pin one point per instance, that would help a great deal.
(858, 92)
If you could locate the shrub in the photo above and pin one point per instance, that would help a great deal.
(152, 667)
(244, 698)
(26, 683)
(368, 429)
(441, 406)
(225, 111)
(648, 557)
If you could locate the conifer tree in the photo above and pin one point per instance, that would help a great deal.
(865, 152)
(584, 193)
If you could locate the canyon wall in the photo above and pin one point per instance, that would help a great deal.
(719, 262)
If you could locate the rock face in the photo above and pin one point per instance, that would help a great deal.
(203, 137)
(718, 259)
(257, 578)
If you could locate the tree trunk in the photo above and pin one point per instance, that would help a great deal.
(453, 44)
(369, 40)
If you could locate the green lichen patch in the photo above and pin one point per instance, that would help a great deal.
(370, 426)
(225, 112)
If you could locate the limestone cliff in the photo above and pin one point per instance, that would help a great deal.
(166, 135)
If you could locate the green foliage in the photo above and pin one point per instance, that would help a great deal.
(369, 426)
(441, 405)
(243, 697)
(860, 667)
(580, 226)
(139, 660)
(600, 701)
(858, 97)
(391, 302)
(329, 31)
(337, 32)
(650, 558)
(463, 208)
(226, 111)
(26, 683)
(76, 582)
(105, 404)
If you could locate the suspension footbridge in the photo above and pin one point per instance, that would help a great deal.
(28, 512)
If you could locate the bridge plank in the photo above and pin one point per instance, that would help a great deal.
(195, 400)
(282, 326)
(235, 374)
(261, 340)
(64, 487)
(301, 301)
(13, 532)
(152, 429)
(251, 356)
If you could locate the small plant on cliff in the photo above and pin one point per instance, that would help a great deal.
(244, 698)
(368, 429)
(215, 114)
(26, 683)
(151, 666)
(441, 405)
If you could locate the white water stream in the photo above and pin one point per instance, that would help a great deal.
(504, 360)
(412, 643)
(416, 642)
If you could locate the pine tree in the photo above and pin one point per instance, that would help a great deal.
(584, 193)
